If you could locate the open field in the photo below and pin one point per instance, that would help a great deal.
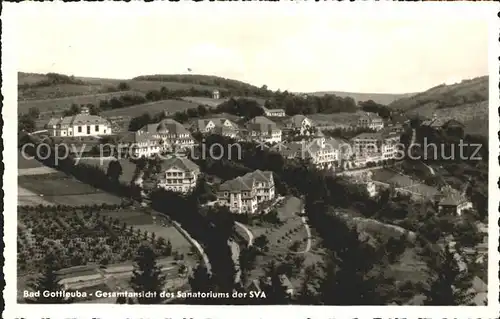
(61, 189)
(334, 120)
(145, 86)
(204, 101)
(47, 106)
(25, 163)
(152, 108)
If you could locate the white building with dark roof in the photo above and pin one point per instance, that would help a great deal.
(81, 124)
(371, 120)
(244, 193)
(178, 174)
(324, 153)
(220, 126)
(300, 124)
(262, 129)
(170, 131)
(139, 144)
(273, 112)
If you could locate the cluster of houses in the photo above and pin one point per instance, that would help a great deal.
(296, 137)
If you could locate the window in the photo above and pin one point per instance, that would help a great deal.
(88, 129)
(79, 129)
(97, 128)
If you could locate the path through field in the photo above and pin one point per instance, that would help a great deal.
(249, 233)
(28, 198)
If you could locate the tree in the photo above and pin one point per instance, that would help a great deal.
(26, 123)
(123, 86)
(48, 281)
(261, 242)
(147, 276)
(34, 112)
(201, 281)
(115, 170)
(450, 285)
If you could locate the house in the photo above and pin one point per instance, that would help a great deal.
(377, 147)
(220, 126)
(178, 174)
(262, 129)
(81, 124)
(139, 144)
(300, 124)
(244, 193)
(215, 94)
(273, 112)
(171, 132)
(371, 120)
(453, 202)
(324, 153)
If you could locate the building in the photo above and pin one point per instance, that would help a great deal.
(371, 120)
(171, 132)
(262, 129)
(300, 124)
(243, 194)
(273, 112)
(453, 202)
(215, 94)
(376, 147)
(81, 124)
(220, 126)
(139, 144)
(324, 153)
(178, 174)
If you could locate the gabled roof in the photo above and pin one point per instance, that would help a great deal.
(262, 124)
(247, 181)
(79, 119)
(137, 137)
(180, 162)
(167, 126)
(296, 120)
(201, 124)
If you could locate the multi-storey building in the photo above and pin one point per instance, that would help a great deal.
(81, 124)
(300, 124)
(220, 126)
(371, 120)
(178, 174)
(139, 144)
(262, 129)
(324, 153)
(375, 147)
(171, 132)
(244, 193)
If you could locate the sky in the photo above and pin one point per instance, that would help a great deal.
(388, 49)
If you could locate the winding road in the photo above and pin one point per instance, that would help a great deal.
(249, 233)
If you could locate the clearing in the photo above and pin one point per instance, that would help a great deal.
(62, 189)
(152, 108)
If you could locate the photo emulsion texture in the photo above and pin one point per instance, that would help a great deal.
(219, 171)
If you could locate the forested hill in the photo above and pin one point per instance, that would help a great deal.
(380, 98)
(209, 80)
(466, 102)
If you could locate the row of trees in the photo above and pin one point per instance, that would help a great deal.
(51, 79)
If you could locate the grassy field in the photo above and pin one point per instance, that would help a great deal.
(128, 168)
(47, 106)
(61, 189)
(24, 163)
(145, 86)
(152, 108)
(335, 119)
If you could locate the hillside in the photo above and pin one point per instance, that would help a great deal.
(380, 98)
(466, 102)
(33, 86)
(198, 79)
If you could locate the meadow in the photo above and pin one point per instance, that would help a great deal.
(152, 108)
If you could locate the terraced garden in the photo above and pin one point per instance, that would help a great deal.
(80, 236)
